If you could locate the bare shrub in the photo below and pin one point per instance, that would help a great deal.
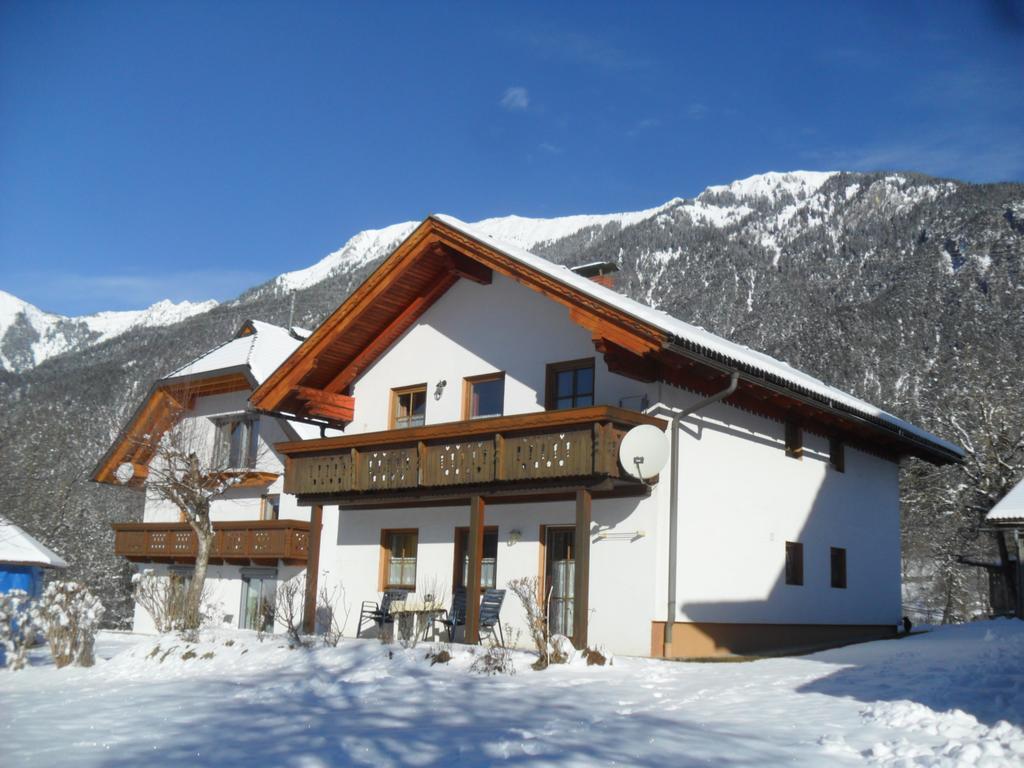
(527, 591)
(17, 629)
(164, 598)
(595, 657)
(69, 614)
(330, 620)
(287, 611)
(497, 659)
(441, 653)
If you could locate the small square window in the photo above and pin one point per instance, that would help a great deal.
(794, 563)
(399, 559)
(570, 384)
(409, 407)
(838, 568)
(485, 396)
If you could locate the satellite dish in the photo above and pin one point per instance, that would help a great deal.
(643, 451)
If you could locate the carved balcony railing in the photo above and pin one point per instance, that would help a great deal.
(535, 448)
(242, 542)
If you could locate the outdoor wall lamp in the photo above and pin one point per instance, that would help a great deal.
(439, 388)
(514, 536)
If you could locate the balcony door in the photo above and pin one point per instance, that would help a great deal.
(559, 577)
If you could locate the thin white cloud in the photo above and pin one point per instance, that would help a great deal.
(643, 125)
(515, 98)
(696, 110)
(551, 149)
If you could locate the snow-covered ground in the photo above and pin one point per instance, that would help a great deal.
(949, 697)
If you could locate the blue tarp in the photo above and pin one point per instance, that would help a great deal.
(26, 577)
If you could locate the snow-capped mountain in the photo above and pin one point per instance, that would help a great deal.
(28, 335)
(903, 289)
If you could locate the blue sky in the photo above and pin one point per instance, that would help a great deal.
(190, 150)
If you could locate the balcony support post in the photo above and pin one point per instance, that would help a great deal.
(312, 568)
(581, 585)
(475, 545)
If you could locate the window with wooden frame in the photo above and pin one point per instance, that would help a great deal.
(236, 441)
(570, 384)
(409, 407)
(837, 454)
(484, 396)
(794, 563)
(398, 558)
(838, 559)
(794, 440)
(489, 563)
(270, 506)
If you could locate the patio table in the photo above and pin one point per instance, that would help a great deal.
(413, 619)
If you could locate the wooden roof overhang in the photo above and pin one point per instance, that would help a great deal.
(167, 400)
(314, 382)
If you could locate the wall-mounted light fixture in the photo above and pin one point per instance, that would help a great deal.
(514, 536)
(439, 388)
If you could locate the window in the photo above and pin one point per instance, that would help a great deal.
(485, 396)
(838, 568)
(398, 559)
(794, 440)
(409, 407)
(570, 385)
(259, 593)
(837, 454)
(270, 507)
(236, 442)
(794, 563)
(489, 564)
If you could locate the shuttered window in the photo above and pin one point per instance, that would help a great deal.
(838, 568)
(794, 563)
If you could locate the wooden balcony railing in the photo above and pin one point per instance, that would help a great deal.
(243, 542)
(579, 443)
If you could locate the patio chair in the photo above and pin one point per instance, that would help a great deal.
(380, 613)
(456, 615)
(490, 614)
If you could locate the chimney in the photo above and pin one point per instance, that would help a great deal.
(601, 272)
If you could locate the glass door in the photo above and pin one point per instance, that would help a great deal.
(259, 594)
(559, 579)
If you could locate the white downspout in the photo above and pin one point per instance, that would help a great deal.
(677, 415)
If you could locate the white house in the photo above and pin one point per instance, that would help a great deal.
(261, 535)
(483, 393)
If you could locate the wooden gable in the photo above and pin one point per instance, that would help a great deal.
(396, 295)
(163, 406)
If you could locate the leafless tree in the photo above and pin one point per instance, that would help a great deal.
(189, 468)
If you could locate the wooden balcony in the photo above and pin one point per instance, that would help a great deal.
(244, 542)
(548, 449)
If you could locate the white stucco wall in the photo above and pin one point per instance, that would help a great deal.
(621, 571)
(741, 497)
(236, 503)
(224, 593)
(476, 329)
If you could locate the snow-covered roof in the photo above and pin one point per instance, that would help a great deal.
(260, 346)
(1010, 507)
(18, 548)
(705, 342)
